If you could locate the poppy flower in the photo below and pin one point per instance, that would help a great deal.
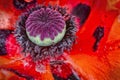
(59, 40)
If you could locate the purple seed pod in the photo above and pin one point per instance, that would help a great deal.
(45, 22)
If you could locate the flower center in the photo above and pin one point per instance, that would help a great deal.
(45, 27)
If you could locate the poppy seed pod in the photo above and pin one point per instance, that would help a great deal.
(45, 31)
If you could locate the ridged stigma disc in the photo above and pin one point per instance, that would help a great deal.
(45, 27)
